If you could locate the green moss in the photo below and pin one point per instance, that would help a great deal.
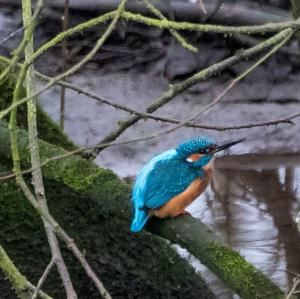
(245, 279)
(130, 266)
(227, 264)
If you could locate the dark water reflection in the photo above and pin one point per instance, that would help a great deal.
(254, 204)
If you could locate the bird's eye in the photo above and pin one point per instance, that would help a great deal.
(204, 151)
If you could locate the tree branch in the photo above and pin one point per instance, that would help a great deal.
(35, 157)
(22, 286)
(64, 50)
(227, 264)
(287, 120)
(186, 231)
(43, 277)
(181, 40)
(40, 205)
(176, 89)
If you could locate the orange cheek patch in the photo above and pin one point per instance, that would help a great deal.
(194, 157)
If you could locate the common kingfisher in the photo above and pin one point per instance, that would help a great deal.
(172, 180)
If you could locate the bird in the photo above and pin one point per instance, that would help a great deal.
(172, 180)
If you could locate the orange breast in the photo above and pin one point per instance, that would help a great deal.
(175, 206)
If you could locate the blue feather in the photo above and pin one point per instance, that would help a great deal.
(165, 176)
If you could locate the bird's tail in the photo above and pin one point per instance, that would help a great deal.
(140, 218)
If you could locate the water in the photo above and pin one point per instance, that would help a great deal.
(254, 204)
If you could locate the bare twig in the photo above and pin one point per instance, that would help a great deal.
(145, 115)
(73, 69)
(12, 34)
(43, 278)
(164, 119)
(202, 6)
(176, 89)
(244, 74)
(64, 236)
(64, 49)
(296, 282)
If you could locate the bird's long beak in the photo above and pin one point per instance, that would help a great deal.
(227, 145)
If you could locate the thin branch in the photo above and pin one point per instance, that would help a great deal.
(64, 49)
(43, 278)
(12, 34)
(73, 69)
(100, 99)
(285, 120)
(245, 73)
(35, 157)
(25, 40)
(22, 286)
(39, 205)
(169, 120)
(296, 282)
(64, 236)
(176, 89)
(60, 37)
(181, 40)
(208, 28)
(271, 27)
(202, 6)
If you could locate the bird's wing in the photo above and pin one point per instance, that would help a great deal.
(166, 179)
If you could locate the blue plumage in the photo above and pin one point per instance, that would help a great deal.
(167, 175)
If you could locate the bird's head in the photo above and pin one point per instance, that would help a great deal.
(202, 149)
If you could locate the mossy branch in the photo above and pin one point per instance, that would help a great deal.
(40, 205)
(242, 277)
(207, 28)
(70, 71)
(24, 289)
(181, 40)
(185, 231)
(37, 177)
(166, 24)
